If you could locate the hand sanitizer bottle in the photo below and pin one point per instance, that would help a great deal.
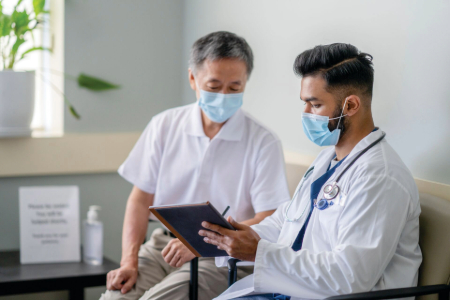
(93, 237)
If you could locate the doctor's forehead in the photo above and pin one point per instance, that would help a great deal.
(313, 88)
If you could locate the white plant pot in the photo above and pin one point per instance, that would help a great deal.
(16, 103)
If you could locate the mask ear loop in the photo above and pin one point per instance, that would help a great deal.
(334, 184)
(342, 114)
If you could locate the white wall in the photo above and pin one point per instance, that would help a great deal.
(410, 42)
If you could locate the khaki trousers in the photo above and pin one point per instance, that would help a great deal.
(157, 280)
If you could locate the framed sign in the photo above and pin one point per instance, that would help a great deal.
(49, 224)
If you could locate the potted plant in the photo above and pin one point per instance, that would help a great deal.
(17, 88)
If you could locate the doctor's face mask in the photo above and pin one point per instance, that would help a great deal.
(322, 130)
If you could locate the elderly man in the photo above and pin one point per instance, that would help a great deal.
(207, 151)
(353, 224)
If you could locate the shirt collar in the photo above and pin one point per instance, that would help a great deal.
(194, 125)
(365, 142)
(232, 130)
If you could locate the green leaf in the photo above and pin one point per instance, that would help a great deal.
(17, 5)
(20, 20)
(95, 84)
(38, 6)
(16, 45)
(5, 25)
(74, 112)
(13, 52)
(33, 49)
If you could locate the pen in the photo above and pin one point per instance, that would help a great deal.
(225, 211)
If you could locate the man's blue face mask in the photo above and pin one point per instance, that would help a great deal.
(317, 131)
(219, 107)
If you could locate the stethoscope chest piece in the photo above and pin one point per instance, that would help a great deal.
(330, 191)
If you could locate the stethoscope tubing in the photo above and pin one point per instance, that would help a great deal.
(337, 179)
(295, 195)
(359, 155)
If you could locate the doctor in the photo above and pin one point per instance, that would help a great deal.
(353, 223)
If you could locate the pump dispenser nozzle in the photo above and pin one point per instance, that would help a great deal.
(92, 215)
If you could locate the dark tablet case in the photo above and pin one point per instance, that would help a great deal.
(184, 221)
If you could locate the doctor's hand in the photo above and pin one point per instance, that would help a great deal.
(240, 244)
(177, 254)
(122, 278)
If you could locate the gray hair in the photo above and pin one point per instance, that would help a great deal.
(218, 45)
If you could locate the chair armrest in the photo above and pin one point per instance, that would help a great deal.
(193, 281)
(232, 262)
(232, 270)
(441, 289)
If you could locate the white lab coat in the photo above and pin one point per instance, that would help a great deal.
(368, 240)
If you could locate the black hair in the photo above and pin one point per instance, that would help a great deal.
(342, 66)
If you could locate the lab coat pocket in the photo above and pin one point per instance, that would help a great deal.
(329, 219)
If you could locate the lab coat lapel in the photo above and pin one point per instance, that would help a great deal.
(369, 139)
(372, 137)
(321, 165)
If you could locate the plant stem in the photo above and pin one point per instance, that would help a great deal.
(59, 73)
(63, 74)
(72, 110)
(55, 88)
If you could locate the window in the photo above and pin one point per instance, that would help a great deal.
(49, 104)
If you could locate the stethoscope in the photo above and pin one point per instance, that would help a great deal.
(330, 190)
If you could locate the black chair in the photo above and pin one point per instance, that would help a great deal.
(193, 281)
(232, 270)
(434, 272)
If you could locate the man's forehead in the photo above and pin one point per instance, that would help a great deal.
(223, 69)
(224, 64)
(312, 87)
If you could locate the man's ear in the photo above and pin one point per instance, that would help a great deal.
(352, 106)
(192, 80)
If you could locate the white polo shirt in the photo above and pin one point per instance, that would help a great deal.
(242, 166)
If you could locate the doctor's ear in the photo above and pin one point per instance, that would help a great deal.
(352, 105)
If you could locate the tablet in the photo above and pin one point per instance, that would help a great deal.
(185, 221)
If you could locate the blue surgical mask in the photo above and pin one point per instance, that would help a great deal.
(316, 129)
(219, 107)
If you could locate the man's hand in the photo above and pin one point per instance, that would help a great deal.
(122, 278)
(177, 254)
(240, 244)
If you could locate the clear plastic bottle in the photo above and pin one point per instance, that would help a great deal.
(93, 237)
